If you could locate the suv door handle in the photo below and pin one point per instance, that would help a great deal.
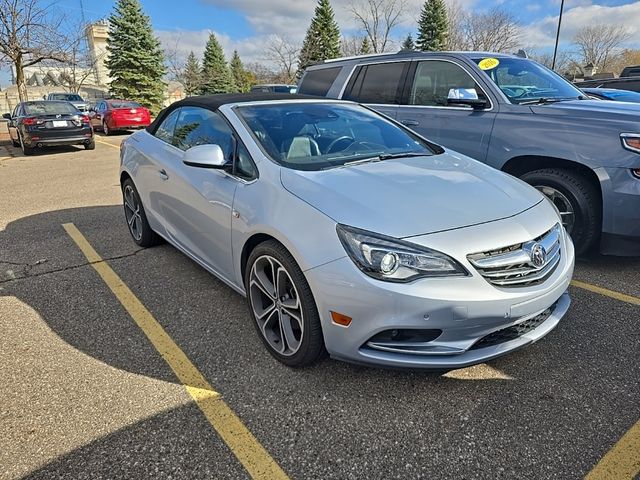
(163, 174)
(410, 123)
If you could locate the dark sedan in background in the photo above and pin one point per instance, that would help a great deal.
(46, 123)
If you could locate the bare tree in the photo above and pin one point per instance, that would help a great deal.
(284, 54)
(350, 46)
(564, 59)
(30, 33)
(599, 44)
(455, 36)
(496, 30)
(377, 19)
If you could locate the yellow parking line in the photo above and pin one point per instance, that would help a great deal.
(107, 143)
(622, 461)
(255, 459)
(623, 297)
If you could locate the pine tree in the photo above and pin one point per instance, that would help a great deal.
(322, 41)
(408, 43)
(365, 48)
(192, 77)
(216, 76)
(240, 75)
(135, 61)
(433, 26)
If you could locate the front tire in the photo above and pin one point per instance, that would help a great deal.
(136, 217)
(282, 305)
(576, 198)
(91, 145)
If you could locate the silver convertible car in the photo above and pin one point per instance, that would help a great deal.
(347, 232)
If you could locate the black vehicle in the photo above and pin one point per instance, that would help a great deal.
(633, 71)
(621, 83)
(45, 123)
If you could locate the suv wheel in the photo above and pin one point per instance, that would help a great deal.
(576, 199)
(282, 305)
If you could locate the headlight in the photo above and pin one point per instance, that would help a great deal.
(631, 141)
(393, 260)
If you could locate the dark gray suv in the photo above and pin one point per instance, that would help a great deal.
(517, 116)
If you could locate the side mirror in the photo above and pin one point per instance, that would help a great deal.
(465, 96)
(205, 156)
(7, 116)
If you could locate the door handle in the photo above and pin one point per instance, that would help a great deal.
(163, 174)
(410, 123)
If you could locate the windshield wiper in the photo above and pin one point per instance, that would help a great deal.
(390, 156)
(378, 158)
(547, 100)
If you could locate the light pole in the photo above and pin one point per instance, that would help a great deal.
(555, 50)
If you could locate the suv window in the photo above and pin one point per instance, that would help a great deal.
(318, 82)
(433, 80)
(199, 126)
(165, 130)
(378, 83)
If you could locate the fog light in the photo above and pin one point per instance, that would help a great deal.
(389, 263)
(341, 319)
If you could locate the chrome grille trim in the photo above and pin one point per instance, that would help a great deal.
(514, 266)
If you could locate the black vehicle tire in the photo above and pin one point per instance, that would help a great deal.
(582, 197)
(25, 150)
(291, 287)
(91, 145)
(15, 143)
(105, 129)
(139, 227)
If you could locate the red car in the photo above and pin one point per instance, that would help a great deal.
(112, 115)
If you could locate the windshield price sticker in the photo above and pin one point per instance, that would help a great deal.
(488, 63)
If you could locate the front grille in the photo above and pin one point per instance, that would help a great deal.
(523, 264)
(515, 331)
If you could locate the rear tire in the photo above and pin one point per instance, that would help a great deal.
(91, 145)
(284, 311)
(15, 143)
(136, 217)
(576, 198)
(105, 129)
(25, 150)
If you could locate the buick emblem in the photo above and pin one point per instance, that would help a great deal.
(538, 255)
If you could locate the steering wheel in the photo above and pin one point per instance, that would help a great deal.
(337, 141)
(514, 92)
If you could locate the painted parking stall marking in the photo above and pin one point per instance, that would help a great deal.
(623, 297)
(251, 454)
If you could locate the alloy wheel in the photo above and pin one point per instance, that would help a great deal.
(132, 212)
(105, 128)
(276, 305)
(562, 203)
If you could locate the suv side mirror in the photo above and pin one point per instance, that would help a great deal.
(465, 96)
(7, 116)
(206, 156)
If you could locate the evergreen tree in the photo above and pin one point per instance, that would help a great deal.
(216, 76)
(433, 26)
(192, 77)
(240, 75)
(408, 43)
(365, 48)
(322, 41)
(135, 61)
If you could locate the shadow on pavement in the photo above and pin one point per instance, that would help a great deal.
(566, 392)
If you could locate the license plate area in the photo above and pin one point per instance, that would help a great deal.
(58, 123)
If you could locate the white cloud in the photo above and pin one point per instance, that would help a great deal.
(542, 33)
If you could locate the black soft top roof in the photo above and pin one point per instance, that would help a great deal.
(213, 102)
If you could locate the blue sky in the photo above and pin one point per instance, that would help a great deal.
(247, 25)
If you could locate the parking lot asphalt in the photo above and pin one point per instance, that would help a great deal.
(85, 394)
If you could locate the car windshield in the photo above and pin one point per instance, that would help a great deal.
(523, 80)
(124, 104)
(316, 136)
(69, 97)
(49, 108)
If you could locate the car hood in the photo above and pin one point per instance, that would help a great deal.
(598, 109)
(412, 196)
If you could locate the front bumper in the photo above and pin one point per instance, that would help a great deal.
(621, 212)
(464, 309)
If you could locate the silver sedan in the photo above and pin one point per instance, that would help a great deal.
(347, 232)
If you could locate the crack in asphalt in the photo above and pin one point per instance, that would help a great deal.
(26, 266)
